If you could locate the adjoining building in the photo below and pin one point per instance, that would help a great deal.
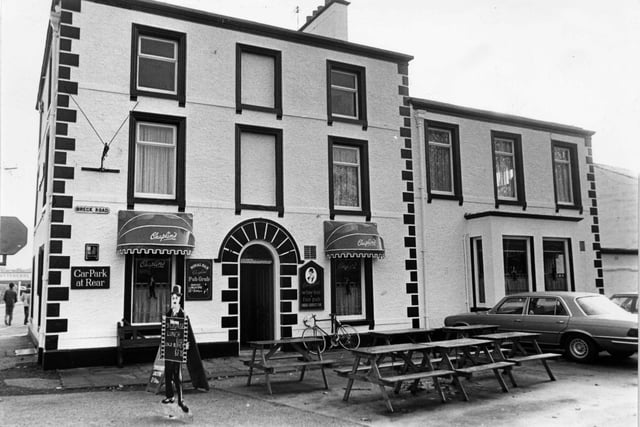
(503, 204)
(257, 167)
(618, 211)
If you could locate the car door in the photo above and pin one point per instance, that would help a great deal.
(547, 316)
(508, 314)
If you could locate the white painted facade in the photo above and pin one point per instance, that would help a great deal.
(103, 103)
(445, 237)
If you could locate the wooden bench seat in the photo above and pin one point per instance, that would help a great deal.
(485, 367)
(273, 368)
(343, 372)
(532, 357)
(139, 336)
(416, 376)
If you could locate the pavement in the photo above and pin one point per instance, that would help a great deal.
(601, 394)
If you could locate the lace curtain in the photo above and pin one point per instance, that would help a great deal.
(346, 177)
(155, 160)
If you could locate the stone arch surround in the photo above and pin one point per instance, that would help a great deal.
(241, 235)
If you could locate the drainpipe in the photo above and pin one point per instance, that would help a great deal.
(420, 181)
(54, 21)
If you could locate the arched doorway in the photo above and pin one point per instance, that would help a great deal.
(256, 294)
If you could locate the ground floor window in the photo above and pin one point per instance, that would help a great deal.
(556, 264)
(517, 264)
(478, 269)
(151, 288)
(348, 287)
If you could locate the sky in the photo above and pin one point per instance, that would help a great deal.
(575, 62)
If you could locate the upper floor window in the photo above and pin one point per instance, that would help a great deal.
(346, 93)
(158, 63)
(156, 159)
(349, 177)
(259, 173)
(565, 175)
(258, 79)
(508, 174)
(443, 161)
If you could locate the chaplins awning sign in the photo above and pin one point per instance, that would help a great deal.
(90, 277)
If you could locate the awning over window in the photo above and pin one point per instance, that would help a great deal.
(352, 240)
(155, 233)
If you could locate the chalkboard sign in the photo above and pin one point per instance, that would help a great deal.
(174, 339)
(198, 284)
(311, 277)
(157, 373)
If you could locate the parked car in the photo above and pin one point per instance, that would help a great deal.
(628, 301)
(582, 323)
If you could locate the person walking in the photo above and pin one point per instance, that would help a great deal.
(10, 300)
(26, 301)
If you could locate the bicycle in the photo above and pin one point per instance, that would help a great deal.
(341, 334)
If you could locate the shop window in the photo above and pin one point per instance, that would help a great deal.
(259, 184)
(156, 159)
(508, 173)
(258, 79)
(477, 265)
(349, 177)
(151, 288)
(352, 289)
(346, 93)
(517, 264)
(443, 161)
(158, 63)
(557, 264)
(566, 177)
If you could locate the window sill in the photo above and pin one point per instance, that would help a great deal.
(260, 108)
(452, 197)
(360, 122)
(151, 94)
(560, 207)
(279, 209)
(512, 203)
(150, 201)
(334, 212)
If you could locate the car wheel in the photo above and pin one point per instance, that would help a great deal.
(581, 348)
(620, 354)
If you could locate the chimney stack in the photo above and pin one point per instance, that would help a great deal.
(329, 20)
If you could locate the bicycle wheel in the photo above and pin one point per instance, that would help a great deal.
(348, 337)
(315, 347)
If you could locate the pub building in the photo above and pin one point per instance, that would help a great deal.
(266, 171)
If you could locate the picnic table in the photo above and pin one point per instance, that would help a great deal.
(472, 356)
(392, 364)
(412, 334)
(467, 331)
(269, 357)
(509, 345)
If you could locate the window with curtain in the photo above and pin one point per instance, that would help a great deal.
(258, 178)
(562, 172)
(157, 64)
(155, 162)
(505, 168)
(346, 177)
(348, 287)
(517, 267)
(556, 263)
(440, 160)
(151, 288)
(478, 269)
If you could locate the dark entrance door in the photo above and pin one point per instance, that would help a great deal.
(256, 295)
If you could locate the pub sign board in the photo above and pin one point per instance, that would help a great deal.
(199, 280)
(90, 277)
(311, 279)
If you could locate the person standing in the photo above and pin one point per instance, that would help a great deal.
(10, 300)
(172, 369)
(26, 301)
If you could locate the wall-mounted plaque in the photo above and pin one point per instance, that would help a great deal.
(199, 280)
(90, 277)
(311, 279)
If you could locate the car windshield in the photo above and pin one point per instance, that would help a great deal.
(598, 304)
